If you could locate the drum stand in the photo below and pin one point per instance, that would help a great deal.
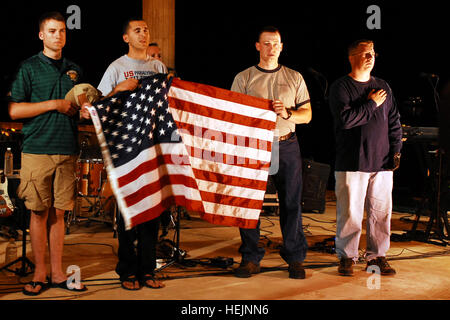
(97, 206)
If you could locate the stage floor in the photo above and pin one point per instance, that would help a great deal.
(422, 268)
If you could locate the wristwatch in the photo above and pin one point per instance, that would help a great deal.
(289, 112)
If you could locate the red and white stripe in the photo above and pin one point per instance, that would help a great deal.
(228, 136)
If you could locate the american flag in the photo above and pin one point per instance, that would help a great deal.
(174, 142)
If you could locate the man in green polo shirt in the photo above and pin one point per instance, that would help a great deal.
(50, 148)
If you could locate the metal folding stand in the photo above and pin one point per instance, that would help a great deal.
(27, 266)
(99, 209)
(178, 254)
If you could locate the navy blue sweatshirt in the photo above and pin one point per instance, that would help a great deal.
(367, 136)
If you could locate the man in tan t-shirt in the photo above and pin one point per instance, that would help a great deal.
(287, 89)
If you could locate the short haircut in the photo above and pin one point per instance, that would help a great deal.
(126, 24)
(271, 29)
(354, 45)
(153, 44)
(53, 15)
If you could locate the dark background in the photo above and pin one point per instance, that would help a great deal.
(215, 40)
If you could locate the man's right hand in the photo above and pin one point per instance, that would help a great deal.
(379, 96)
(66, 107)
(127, 85)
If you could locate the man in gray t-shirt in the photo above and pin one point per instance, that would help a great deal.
(290, 99)
(136, 263)
(125, 68)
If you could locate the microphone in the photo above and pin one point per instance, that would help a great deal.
(315, 73)
(428, 75)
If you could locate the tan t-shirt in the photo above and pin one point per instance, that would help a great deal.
(281, 83)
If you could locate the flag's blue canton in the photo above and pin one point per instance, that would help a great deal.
(136, 120)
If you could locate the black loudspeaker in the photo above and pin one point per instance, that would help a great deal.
(444, 143)
(444, 120)
(315, 180)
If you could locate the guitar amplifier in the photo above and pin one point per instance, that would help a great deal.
(315, 180)
(10, 223)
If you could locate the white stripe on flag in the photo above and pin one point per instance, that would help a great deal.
(231, 211)
(174, 149)
(219, 104)
(224, 126)
(208, 146)
(153, 176)
(234, 191)
(222, 168)
(155, 199)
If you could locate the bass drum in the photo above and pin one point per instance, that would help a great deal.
(91, 174)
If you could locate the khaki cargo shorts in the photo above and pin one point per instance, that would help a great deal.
(47, 181)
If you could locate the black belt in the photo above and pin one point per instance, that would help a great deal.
(285, 137)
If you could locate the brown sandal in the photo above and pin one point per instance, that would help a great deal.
(156, 283)
(132, 279)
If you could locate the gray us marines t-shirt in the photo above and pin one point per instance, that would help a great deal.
(124, 68)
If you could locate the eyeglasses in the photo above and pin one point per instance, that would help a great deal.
(156, 55)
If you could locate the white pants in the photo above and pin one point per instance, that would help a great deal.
(356, 192)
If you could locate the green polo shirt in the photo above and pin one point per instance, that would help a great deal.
(37, 80)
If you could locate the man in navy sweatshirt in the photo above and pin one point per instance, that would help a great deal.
(368, 143)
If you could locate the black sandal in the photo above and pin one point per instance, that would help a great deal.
(34, 284)
(63, 285)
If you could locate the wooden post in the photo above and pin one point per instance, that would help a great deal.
(160, 17)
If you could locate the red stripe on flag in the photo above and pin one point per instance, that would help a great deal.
(151, 188)
(230, 221)
(230, 180)
(224, 199)
(237, 140)
(237, 161)
(202, 110)
(149, 166)
(223, 94)
(154, 212)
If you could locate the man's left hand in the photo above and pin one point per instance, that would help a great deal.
(279, 108)
(396, 161)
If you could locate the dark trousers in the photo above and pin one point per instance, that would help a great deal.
(288, 182)
(139, 259)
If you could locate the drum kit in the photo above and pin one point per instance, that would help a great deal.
(95, 200)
